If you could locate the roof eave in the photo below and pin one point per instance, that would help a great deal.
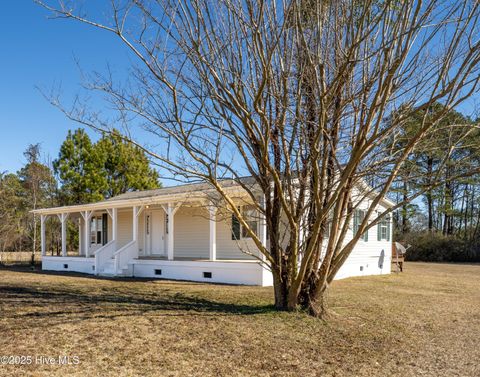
(125, 203)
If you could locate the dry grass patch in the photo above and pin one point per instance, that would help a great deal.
(425, 321)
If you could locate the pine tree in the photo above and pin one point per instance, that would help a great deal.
(126, 167)
(94, 171)
(79, 169)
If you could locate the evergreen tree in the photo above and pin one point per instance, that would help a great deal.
(94, 171)
(11, 208)
(126, 167)
(80, 170)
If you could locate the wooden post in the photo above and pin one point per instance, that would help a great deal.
(212, 210)
(170, 229)
(114, 224)
(86, 231)
(63, 219)
(135, 223)
(170, 210)
(80, 236)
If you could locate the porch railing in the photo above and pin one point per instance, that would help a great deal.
(104, 254)
(124, 255)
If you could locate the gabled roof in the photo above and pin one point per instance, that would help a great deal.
(185, 192)
(180, 189)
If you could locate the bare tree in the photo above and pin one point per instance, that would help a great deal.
(304, 96)
(37, 182)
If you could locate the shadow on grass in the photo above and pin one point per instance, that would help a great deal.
(59, 304)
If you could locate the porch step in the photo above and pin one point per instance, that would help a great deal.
(109, 269)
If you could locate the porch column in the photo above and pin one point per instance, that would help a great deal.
(113, 213)
(136, 212)
(63, 219)
(80, 236)
(42, 234)
(213, 232)
(170, 210)
(170, 229)
(114, 224)
(86, 231)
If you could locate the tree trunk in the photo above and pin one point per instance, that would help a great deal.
(405, 225)
(315, 302)
(429, 195)
(280, 291)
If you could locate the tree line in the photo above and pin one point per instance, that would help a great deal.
(443, 224)
(83, 172)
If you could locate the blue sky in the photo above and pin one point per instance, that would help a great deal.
(36, 51)
(41, 52)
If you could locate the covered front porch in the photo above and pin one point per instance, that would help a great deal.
(185, 240)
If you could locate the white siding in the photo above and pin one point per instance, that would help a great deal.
(228, 248)
(125, 232)
(191, 233)
(370, 257)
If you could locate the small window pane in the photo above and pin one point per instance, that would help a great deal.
(384, 224)
(93, 230)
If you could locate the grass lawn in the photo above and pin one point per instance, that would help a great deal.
(425, 321)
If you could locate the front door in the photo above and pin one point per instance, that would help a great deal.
(155, 233)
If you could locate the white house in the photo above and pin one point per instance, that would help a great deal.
(173, 233)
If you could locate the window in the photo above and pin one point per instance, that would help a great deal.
(358, 217)
(98, 230)
(383, 229)
(250, 215)
(93, 230)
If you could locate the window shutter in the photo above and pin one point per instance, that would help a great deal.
(355, 222)
(104, 228)
(365, 236)
(379, 231)
(388, 229)
(235, 228)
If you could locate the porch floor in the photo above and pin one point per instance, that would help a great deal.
(196, 259)
(162, 258)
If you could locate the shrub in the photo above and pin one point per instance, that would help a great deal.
(434, 247)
